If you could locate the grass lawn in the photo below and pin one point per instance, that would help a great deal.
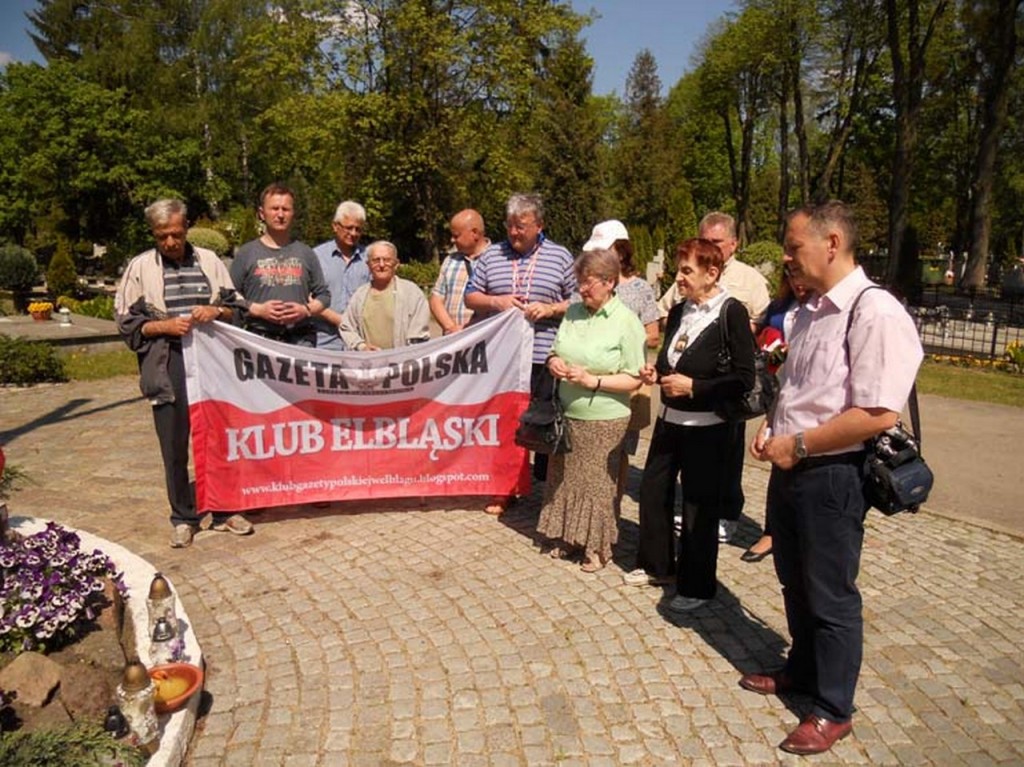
(945, 380)
(977, 384)
(99, 365)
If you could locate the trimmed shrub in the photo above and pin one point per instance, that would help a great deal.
(19, 270)
(61, 277)
(766, 255)
(27, 362)
(423, 274)
(101, 307)
(210, 239)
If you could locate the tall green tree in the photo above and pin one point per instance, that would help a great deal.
(74, 147)
(740, 73)
(566, 141)
(910, 26)
(446, 89)
(646, 164)
(995, 29)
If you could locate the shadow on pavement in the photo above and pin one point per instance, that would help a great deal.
(66, 412)
(738, 635)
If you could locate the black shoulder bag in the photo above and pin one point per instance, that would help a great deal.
(758, 400)
(896, 478)
(543, 427)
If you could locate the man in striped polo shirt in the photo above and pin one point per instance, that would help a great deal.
(164, 293)
(533, 274)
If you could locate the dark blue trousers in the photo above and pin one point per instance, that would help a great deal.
(817, 520)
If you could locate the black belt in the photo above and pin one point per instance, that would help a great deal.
(281, 333)
(855, 458)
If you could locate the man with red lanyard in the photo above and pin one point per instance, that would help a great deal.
(837, 390)
(533, 274)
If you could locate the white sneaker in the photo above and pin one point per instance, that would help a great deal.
(640, 577)
(726, 528)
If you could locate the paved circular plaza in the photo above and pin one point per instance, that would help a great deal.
(403, 633)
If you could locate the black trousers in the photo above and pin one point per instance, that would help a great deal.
(817, 523)
(542, 386)
(173, 431)
(705, 457)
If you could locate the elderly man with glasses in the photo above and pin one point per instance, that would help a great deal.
(343, 261)
(534, 275)
(389, 312)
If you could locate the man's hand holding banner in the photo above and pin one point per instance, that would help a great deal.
(275, 424)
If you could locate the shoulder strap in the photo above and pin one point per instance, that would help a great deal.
(915, 412)
(723, 330)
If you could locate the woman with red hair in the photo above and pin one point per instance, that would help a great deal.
(696, 374)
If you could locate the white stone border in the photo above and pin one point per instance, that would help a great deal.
(175, 729)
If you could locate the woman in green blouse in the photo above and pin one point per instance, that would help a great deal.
(596, 358)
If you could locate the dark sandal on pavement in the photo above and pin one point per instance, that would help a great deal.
(752, 556)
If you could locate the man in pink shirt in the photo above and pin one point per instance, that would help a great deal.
(836, 392)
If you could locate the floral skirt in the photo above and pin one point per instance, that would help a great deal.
(579, 497)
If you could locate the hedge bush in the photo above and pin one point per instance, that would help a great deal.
(423, 274)
(19, 270)
(210, 239)
(61, 277)
(27, 362)
(101, 307)
(766, 255)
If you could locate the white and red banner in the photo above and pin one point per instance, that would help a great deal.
(275, 424)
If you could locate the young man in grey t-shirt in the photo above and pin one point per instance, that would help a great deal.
(280, 277)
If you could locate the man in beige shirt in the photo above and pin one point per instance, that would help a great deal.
(743, 281)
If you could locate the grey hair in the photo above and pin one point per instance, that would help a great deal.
(717, 218)
(603, 264)
(350, 209)
(381, 244)
(161, 211)
(522, 204)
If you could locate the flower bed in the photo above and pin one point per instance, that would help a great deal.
(50, 590)
(133, 579)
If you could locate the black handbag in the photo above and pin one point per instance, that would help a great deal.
(896, 477)
(543, 427)
(758, 400)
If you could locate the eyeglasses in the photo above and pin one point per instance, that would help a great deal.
(384, 261)
(590, 282)
(519, 226)
(352, 229)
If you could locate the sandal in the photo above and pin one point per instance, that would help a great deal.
(592, 565)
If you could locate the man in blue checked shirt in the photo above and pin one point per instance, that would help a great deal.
(446, 298)
(343, 261)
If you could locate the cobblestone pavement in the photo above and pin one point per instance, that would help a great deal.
(388, 634)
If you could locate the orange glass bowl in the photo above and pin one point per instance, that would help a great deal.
(175, 683)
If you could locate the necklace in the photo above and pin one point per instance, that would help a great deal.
(681, 343)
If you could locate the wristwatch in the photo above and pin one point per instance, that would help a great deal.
(800, 450)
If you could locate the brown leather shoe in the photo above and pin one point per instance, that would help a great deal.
(773, 683)
(815, 735)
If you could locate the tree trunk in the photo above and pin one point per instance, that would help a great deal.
(784, 182)
(995, 97)
(908, 76)
(803, 154)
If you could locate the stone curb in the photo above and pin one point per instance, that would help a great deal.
(175, 729)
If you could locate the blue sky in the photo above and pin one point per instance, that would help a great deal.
(671, 29)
